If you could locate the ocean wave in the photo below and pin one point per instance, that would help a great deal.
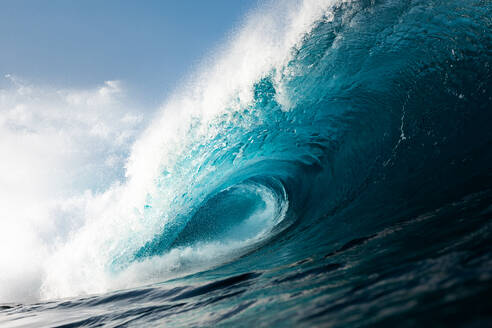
(318, 126)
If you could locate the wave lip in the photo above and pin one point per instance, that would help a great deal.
(236, 216)
(247, 211)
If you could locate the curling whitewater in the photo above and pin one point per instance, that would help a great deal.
(331, 166)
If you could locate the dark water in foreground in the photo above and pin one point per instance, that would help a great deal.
(376, 184)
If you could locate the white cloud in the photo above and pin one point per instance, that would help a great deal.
(64, 128)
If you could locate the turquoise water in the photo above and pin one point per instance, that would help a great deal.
(350, 186)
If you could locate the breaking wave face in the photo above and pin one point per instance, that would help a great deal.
(320, 122)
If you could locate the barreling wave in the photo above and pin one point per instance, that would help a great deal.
(320, 122)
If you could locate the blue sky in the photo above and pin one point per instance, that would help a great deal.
(148, 45)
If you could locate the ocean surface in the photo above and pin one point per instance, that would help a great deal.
(331, 165)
